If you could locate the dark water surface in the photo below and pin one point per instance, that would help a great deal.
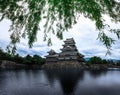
(41, 82)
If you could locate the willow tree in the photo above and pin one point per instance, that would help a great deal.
(59, 16)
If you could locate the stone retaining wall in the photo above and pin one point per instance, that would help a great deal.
(13, 65)
(64, 65)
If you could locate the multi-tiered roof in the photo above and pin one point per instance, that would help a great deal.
(69, 52)
(52, 57)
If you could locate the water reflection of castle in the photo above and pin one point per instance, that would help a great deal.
(68, 80)
(69, 53)
(76, 81)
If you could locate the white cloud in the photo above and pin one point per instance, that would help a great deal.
(4, 27)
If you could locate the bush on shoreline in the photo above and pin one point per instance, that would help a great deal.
(27, 60)
(98, 60)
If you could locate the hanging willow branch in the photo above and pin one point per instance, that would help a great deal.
(60, 15)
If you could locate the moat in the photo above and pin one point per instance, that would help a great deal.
(59, 82)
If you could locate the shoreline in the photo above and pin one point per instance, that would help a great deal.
(77, 65)
(60, 65)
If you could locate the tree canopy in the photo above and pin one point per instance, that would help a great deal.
(27, 60)
(59, 16)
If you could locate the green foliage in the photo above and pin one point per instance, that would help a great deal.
(27, 60)
(107, 41)
(18, 58)
(58, 15)
(97, 60)
(5, 56)
(38, 60)
(88, 63)
(118, 63)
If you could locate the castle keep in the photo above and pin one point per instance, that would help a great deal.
(69, 52)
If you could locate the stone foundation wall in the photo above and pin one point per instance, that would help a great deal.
(10, 65)
(63, 65)
(13, 65)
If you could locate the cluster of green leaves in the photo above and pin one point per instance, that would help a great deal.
(5, 56)
(33, 60)
(28, 60)
(118, 63)
(98, 60)
(59, 16)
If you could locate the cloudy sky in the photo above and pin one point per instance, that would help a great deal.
(84, 34)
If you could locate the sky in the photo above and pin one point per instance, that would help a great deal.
(84, 33)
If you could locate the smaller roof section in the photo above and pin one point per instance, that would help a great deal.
(51, 52)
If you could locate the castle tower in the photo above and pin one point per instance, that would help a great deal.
(70, 52)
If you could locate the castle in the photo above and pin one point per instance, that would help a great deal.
(69, 52)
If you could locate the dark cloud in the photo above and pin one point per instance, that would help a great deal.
(33, 51)
(40, 45)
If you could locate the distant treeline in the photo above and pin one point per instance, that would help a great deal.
(98, 60)
(36, 59)
(28, 60)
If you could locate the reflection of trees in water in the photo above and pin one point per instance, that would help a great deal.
(2, 77)
(68, 79)
(97, 73)
(17, 75)
(2, 83)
